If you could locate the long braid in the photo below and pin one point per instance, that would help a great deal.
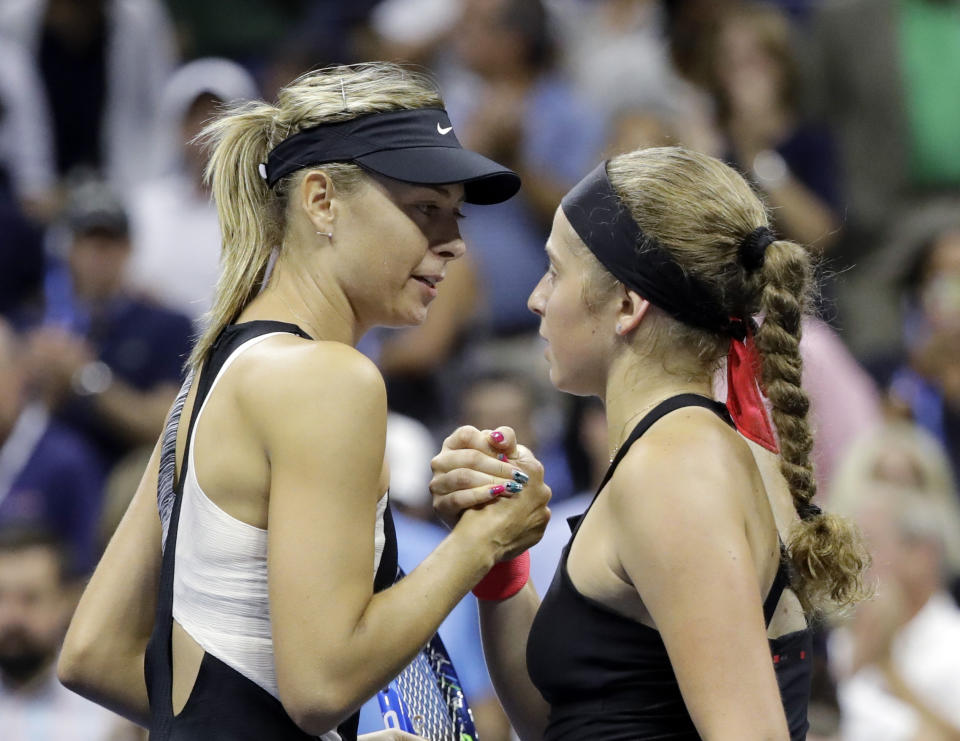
(827, 553)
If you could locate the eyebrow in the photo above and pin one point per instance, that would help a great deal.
(442, 190)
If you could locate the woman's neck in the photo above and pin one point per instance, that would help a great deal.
(634, 390)
(295, 293)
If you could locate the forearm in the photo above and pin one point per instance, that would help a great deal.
(394, 625)
(504, 627)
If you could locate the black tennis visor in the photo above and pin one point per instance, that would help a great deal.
(413, 146)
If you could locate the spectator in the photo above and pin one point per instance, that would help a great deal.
(510, 102)
(48, 475)
(108, 364)
(898, 674)
(102, 64)
(754, 79)
(901, 454)
(35, 604)
(927, 381)
(174, 227)
(883, 74)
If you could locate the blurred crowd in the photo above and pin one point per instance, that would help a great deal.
(844, 115)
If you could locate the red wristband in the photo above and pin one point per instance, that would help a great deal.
(505, 579)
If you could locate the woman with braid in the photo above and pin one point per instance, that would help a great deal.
(681, 605)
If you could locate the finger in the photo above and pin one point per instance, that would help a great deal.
(450, 460)
(459, 479)
(463, 437)
(450, 506)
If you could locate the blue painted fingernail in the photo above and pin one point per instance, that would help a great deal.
(502, 457)
(513, 486)
(520, 477)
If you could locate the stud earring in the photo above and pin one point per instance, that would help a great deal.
(328, 235)
(619, 328)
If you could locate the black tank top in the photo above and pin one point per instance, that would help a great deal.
(609, 677)
(224, 705)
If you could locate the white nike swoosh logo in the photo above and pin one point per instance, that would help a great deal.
(442, 130)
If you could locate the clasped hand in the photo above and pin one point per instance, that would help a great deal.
(485, 473)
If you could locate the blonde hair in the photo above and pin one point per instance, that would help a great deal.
(701, 210)
(252, 215)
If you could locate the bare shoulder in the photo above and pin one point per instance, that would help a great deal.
(287, 378)
(690, 463)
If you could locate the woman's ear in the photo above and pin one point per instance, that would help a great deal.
(317, 199)
(633, 308)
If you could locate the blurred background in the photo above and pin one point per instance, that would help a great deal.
(844, 115)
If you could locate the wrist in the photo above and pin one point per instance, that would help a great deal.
(505, 579)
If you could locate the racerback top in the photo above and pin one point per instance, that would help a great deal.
(214, 582)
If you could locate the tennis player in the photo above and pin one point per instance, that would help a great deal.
(252, 599)
(680, 608)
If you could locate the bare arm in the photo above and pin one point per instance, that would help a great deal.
(335, 642)
(683, 546)
(466, 463)
(103, 652)
(504, 627)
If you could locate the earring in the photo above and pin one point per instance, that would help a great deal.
(619, 328)
(328, 235)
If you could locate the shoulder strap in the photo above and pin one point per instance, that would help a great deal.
(654, 415)
(780, 582)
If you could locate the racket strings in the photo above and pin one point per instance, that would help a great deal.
(433, 697)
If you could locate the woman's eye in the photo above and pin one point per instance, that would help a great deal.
(428, 209)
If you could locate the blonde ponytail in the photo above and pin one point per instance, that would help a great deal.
(239, 142)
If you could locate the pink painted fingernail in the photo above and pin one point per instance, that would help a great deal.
(497, 490)
(496, 436)
(502, 457)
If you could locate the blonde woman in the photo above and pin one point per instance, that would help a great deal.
(253, 600)
(681, 605)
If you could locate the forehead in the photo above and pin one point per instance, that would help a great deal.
(563, 242)
(452, 193)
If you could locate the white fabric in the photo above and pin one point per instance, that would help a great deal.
(20, 444)
(51, 712)
(26, 141)
(140, 53)
(176, 244)
(925, 652)
(220, 595)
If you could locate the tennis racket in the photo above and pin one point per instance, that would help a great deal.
(426, 698)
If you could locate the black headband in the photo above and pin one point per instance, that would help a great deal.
(637, 260)
(414, 146)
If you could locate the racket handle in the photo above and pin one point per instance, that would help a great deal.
(505, 579)
(393, 710)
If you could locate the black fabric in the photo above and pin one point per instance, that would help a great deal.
(607, 676)
(415, 146)
(637, 260)
(224, 705)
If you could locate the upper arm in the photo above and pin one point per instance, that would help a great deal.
(324, 429)
(680, 534)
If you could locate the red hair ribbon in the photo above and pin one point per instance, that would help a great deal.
(744, 400)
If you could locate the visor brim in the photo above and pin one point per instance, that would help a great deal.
(485, 182)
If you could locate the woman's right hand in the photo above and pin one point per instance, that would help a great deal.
(472, 477)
